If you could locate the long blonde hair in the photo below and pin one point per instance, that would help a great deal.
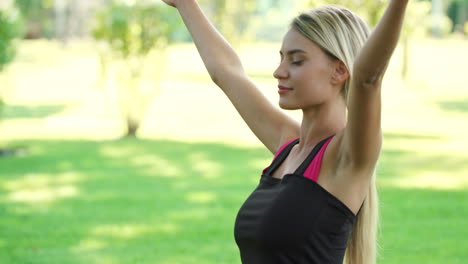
(341, 34)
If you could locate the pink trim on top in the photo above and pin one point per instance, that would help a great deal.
(313, 170)
(283, 147)
(279, 151)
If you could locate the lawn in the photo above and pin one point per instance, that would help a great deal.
(78, 194)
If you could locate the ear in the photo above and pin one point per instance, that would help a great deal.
(340, 73)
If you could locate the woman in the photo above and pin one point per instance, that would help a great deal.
(316, 202)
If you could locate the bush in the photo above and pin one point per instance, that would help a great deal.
(135, 29)
(9, 30)
(130, 33)
(38, 17)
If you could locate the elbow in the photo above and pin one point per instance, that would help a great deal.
(222, 75)
(217, 77)
(215, 73)
(370, 82)
(220, 69)
(371, 77)
(214, 77)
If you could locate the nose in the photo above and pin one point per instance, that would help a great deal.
(281, 72)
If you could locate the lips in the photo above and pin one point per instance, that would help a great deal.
(283, 89)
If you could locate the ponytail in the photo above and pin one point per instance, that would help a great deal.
(362, 243)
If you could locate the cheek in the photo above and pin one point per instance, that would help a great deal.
(307, 80)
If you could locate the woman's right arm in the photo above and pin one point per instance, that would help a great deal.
(266, 121)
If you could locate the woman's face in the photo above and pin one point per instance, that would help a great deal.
(305, 74)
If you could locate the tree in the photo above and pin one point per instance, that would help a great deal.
(231, 17)
(457, 11)
(10, 29)
(131, 32)
(416, 20)
(370, 10)
(37, 16)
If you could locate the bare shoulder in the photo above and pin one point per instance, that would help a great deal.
(360, 150)
(338, 176)
(338, 158)
(289, 133)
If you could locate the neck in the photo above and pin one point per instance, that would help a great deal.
(321, 121)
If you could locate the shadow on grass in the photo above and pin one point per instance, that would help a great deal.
(143, 201)
(402, 158)
(128, 201)
(459, 106)
(25, 111)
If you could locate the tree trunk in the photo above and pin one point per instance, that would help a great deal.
(132, 126)
(405, 62)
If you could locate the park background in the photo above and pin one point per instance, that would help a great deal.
(116, 147)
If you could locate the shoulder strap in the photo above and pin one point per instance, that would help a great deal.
(281, 156)
(302, 168)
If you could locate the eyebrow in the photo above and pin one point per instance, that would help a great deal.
(291, 52)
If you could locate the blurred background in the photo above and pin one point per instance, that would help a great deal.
(116, 147)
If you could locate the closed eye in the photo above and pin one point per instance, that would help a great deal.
(299, 62)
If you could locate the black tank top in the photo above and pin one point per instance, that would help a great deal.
(292, 220)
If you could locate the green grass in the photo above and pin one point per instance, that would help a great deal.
(81, 196)
(150, 201)
(129, 201)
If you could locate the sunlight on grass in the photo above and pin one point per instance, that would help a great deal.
(196, 213)
(89, 244)
(99, 258)
(205, 167)
(261, 163)
(43, 194)
(424, 160)
(117, 151)
(157, 166)
(125, 231)
(39, 188)
(178, 186)
(153, 164)
(167, 228)
(201, 197)
(192, 110)
(431, 180)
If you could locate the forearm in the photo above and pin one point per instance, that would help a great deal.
(372, 61)
(217, 55)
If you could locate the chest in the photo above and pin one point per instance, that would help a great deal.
(290, 213)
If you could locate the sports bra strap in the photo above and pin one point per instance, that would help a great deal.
(281, 155)
(307, 162)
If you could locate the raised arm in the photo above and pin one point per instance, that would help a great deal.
(362, 136)
(267, 122)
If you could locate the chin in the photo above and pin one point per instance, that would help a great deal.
(286, 106)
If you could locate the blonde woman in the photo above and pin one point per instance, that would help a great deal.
(317, 201)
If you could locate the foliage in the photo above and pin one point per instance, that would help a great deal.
(10, 28)
(417, 19)
(370, 10)
(131, 32)
(38, 17)
(134, 30)
(232, 17)
(457, 11)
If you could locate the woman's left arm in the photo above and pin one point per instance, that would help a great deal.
(362, 137)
